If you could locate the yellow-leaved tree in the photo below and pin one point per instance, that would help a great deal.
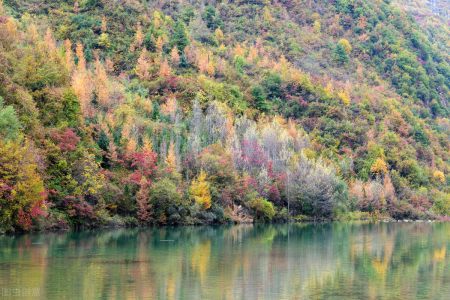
(164, 69)
(143, 66)
(174, 56)
(171, 159)
(439, 176)
(22, 191)
(379, 167)
(346, 44)
(200, 191)
(344, 97)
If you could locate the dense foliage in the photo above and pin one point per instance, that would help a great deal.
(174, 112)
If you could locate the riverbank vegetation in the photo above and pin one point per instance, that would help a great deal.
(170, 112)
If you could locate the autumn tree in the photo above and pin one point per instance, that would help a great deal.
(439, 176)
(344, 97)
(252, 54)
(218, 33)
(81, 64)
(139, 37)
(22, 192)
(50, 42)
(143, 65)
(196, 129)
(174, 56)
(317, 26)
(81, 82)
(267, 16)
(142, 200)
(104, 41)
(143, 164)
(112, 154)
(101, 84)
(157, 19)
(379, 167)
(160, 41)
(205, 63)
(68, 55)
(89, 178)
(200, 191)
(171, 159)
(66, 140)
(164, 69)
(346, 45)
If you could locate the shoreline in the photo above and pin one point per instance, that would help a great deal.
(110, 227)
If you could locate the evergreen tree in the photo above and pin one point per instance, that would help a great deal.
(179, 36)
(340, 54)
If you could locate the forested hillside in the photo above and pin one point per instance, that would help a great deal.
(133, 112)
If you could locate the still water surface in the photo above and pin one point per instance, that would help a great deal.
(326, 261)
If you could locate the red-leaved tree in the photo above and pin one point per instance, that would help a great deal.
(144, 164)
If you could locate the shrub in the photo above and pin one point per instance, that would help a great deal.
(441, 204)
(264, 210)
(165, 200)
(314, 188)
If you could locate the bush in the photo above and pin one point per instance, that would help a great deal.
(281, 215)
(315, 189)
(354, 216)
(259, 98)
(165, 201)
(264, 210)
(272, 85)
(441, 204)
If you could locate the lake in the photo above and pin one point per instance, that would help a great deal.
(296, 261)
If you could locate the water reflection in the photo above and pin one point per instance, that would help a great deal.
(371, 261)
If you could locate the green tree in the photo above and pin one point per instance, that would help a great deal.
(9, 123)
(179, 36)
(213, 21)
(71, 111)
(272, 85)
(165, 201)
(259, 97)
(340, 54)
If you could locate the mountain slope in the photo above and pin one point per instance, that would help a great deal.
(175, 112)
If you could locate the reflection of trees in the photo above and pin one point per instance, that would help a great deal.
(392, 261)
(262, 261)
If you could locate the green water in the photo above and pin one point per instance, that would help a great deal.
(327, 261)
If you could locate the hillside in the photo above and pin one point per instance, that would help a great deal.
(177, 112)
